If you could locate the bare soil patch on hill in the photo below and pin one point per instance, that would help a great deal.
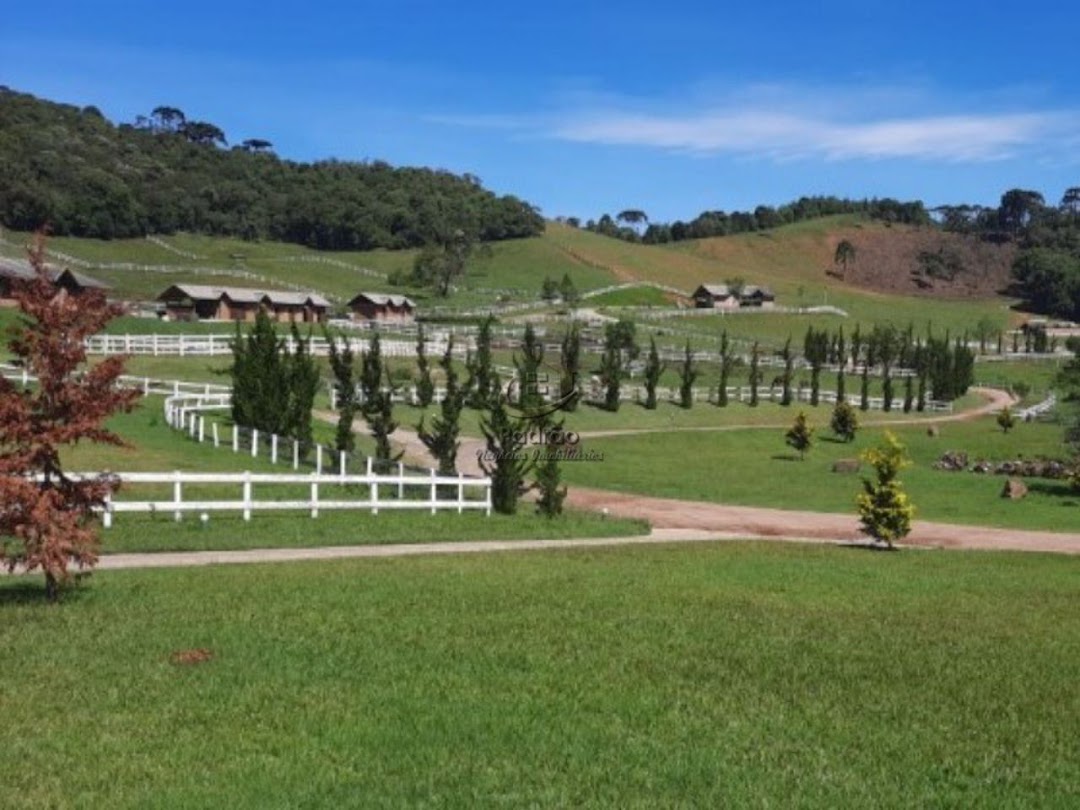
(924, 261)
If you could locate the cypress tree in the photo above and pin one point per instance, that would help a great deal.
(755, 374)
(425, 386)
(570, 360)
(344, 370)
(726, 358)
(653, 369)
(442, 440)
(687, 376)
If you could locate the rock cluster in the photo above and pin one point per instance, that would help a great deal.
(957, 461)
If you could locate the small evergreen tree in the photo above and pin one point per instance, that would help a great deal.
(425, 386)
(568, 291)
(800, 436)
(549, 290)
(885, 510)
(653, 369)
(845, 421)
(504, 461)
(687, 376)
(1006, 420)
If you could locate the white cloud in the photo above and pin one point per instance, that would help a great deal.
(784, 124)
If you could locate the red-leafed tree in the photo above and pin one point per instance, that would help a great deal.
(46, 517)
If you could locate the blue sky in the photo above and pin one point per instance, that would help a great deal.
(583, 108)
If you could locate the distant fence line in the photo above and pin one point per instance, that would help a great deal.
(1037, 410)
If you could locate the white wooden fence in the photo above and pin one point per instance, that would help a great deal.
(382, 492)
(216, 345)
(1047, 405)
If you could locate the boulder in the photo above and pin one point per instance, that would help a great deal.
(846, 465)
(1014, 489)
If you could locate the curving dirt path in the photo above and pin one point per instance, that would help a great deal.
(723, 520)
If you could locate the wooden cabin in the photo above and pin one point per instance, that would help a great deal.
(196, 302)
(382, 307)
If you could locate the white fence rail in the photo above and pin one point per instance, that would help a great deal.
(399, 491)
(1037, 410)
(216, 345)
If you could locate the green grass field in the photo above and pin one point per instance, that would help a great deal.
(724, 676)
(756, 468)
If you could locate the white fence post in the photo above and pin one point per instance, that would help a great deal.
(106, 515)
(434, 493)
(247, 495)
(178, 496)
(202, 429)
(295, 455)
(254, 442)
(235, 438)
(460, 493)
(318, 459)
(342, 458)
(273, 448)
(217, 439)
(401, 481)
(314, 495)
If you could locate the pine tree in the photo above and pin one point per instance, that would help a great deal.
(504, 460)
(442, 440)
(800, 436)
(46, 518)
(1006, 420)
(425, 386)
(344, 369)
(845, 421)
(687, 377)
(885, 511)
(653, 369)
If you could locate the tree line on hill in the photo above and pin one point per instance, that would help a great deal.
(633, 225)
(74, 170)
(1046, 272)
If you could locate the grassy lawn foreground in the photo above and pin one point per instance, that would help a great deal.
(725, 675)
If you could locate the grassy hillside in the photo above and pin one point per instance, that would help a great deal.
(795, 261)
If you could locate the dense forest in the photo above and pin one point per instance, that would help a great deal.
(632, 225)
(71, 168)
(1047, 270)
